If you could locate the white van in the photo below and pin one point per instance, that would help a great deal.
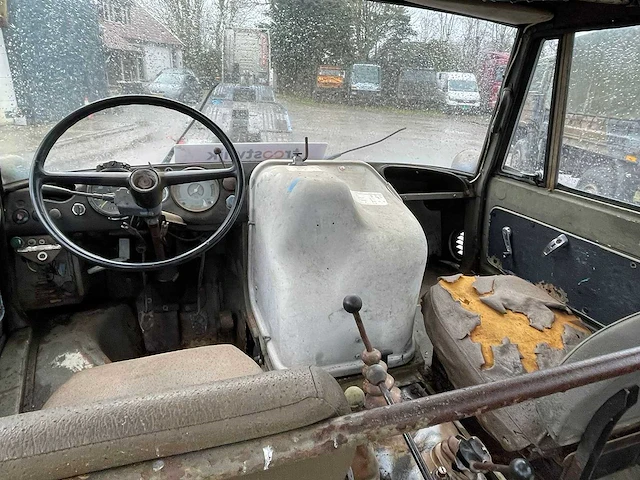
(460, 89)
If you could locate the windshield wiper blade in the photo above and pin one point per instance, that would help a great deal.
(169, 154)
(338, 155)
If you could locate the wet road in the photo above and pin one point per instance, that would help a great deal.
(143, 134)
(430, 138)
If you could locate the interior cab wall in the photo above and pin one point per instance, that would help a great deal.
(530, 224)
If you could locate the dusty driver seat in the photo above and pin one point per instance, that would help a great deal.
(489, 328)
(169, 404)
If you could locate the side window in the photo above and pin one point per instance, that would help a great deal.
(601, 137)
(528, 144)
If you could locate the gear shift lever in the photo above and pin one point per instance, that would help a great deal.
(352, 304)
(375, 372)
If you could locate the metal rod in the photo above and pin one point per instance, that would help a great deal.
(381, 423)
(408, 439)
(363, 332)
(488, 467)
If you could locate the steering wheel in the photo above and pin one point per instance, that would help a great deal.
(144, 184)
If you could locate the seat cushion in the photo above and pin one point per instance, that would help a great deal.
(490, 328)
(146, 418)
(154, 374)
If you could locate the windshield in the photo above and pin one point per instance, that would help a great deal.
(365, 74)
(419, 76)
(263, 60)
(170, 78)
(463, 86)
(326, 72)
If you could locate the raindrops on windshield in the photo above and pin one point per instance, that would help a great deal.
(341, 72)
(600, 145)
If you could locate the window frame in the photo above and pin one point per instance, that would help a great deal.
(555, 185)
(512, 173)
(557, 116)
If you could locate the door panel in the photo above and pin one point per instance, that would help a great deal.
(597, 281)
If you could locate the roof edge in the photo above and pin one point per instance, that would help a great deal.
(509, 13)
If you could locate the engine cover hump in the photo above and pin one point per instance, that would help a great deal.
(321, 231)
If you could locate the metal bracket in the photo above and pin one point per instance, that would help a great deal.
(560, 241)
(506, 238)
(298, 158)
(41, 253)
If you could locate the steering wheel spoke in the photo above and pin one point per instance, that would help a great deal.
(114, 179)
(175, 177)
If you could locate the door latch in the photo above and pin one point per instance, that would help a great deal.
(506, 238)
(560, 241)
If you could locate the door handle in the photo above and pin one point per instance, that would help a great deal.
(506, 238)
(560, 241)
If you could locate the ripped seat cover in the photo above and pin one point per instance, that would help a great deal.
(490, 328)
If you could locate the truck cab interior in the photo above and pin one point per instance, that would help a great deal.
(323, 318)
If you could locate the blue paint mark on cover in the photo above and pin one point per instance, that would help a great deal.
(292, 185)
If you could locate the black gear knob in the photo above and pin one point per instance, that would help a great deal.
(352, 303)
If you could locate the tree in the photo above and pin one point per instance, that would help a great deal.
(200, 25)
(377, 23)
(309, 33)
(306, 34)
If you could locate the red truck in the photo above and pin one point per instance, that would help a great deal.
(490, 77)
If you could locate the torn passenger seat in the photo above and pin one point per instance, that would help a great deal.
(490, 328)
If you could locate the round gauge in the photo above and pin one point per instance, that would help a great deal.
(103, 207)
(197, 196)
(165, 194)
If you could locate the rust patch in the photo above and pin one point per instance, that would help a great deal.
(495, 327)
(555, 292)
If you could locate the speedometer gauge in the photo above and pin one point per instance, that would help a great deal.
(103, 207)
(197, 196)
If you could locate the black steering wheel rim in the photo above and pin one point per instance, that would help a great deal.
(38, 175)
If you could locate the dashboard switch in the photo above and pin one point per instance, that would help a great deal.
(20, 216)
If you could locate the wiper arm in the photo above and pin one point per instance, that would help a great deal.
(338, 155)
(169, 154)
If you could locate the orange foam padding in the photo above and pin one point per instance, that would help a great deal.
(495, 326)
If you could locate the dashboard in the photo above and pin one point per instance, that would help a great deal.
(202, 205)
(50, 276)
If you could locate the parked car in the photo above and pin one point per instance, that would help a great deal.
(419, 86)
(365, 83)
(330, 82)
(460, 89)
(176, 83)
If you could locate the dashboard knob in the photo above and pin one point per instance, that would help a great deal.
(55, 214)
(20, 216)
(229, 184)
(16, 242)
